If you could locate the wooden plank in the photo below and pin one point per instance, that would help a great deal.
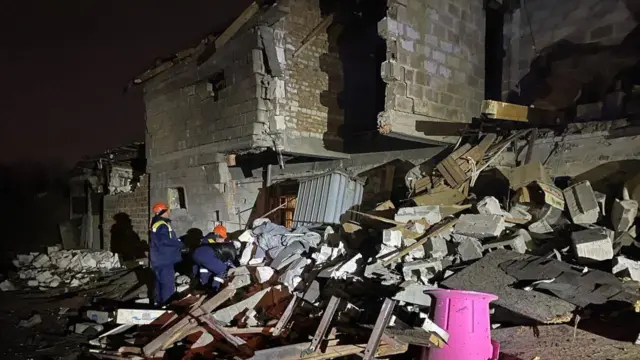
(452, 172)
(420, 242)
(447, 196)
(322, 26)
(379, 218)
(460, 151)
(236, 24)
(499, 110)
(159, 342)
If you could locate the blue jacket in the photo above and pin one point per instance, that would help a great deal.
(165, 247)
(210, 236)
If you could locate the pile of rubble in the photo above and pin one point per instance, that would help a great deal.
(551, 255)
(58, 267)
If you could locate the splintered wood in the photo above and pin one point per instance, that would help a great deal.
(456, 168)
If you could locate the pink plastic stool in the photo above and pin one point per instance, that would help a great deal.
(465, 316)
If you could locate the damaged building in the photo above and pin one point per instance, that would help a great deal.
(304, 82)
(109, 202)
(294, 85)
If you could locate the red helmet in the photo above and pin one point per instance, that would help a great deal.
(159, 207)
(220, 230)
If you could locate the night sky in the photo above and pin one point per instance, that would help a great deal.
(64, 64)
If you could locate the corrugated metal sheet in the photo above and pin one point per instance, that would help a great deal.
(323, 199)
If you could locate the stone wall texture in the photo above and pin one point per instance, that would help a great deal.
(434, 69)
(133, 204)
(529, 30)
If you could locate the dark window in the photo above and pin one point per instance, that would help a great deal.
(177, 199)
(216, 84)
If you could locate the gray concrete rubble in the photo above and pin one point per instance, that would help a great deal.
(490, 206)
(624, 267)
(480, 226)
(469, 248)
(592, 245)
(623, 214)
(541, 249)
(64, 267)
(582, 204)
(422, 270)
(414, 293)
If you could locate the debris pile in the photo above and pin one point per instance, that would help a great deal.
(59, 267)
(546, 252)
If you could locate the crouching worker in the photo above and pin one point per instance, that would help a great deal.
(218, 235)
(212, 260)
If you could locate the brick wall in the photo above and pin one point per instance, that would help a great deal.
(529, 31)
(306, 102)
(126, 211)
(434, 69)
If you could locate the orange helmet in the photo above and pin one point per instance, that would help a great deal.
(220, 230)
(159, 207)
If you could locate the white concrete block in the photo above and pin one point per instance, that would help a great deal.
(247, 254)
(623, 214)
(417, 253)
(348, 267)
(624, 267)
(7, 286)
(581, 202)
(437, 247)
(413, 293)
(592, 245)
(490, 206)
(24, 259)
(469, 248)
(264, 274)
(480, 226)
(431, 213)
(421, 270)
(392, 238)
(246, 237)
(41, 261)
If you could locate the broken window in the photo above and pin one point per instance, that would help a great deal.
(215, 84)
(177, 198)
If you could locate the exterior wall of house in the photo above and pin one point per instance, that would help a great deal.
(434, 69)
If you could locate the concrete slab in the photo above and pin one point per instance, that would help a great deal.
(479, 226)
(485, 276)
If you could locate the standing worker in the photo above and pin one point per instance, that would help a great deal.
(214, 257)
(165, 252)
(218, 235)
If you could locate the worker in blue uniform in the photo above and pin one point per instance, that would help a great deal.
(165, 252)
(213, 258)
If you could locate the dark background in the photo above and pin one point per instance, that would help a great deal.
(63, 68)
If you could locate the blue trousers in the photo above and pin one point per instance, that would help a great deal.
(207, 265)
(165, 283)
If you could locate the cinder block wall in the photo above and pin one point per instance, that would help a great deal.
(134, 206)
(435, 66)
(545, 22)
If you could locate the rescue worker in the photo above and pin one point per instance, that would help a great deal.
(165, 253)
(214, 257)
(219, 234)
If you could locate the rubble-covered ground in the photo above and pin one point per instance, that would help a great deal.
(556, 258)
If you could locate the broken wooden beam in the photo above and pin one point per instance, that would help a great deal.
(161, 341)
(499, 110)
